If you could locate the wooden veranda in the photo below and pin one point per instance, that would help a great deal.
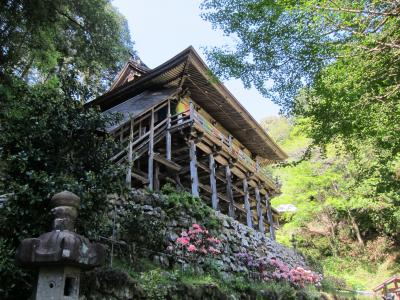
(186, 149)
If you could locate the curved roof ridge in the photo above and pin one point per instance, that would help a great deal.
(176, 68)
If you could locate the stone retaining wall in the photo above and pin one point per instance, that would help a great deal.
(235, 237)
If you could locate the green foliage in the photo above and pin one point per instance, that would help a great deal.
(147, 232)
(54, 53)
(334, 65)
(195, 279)
(49, 143)
(268, 290)
(283, 46)
(81, 43)
(278, 45)
(176, 201)
(157, 283)
(339, 195)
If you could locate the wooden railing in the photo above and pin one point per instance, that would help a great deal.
(233, 149)
(141, 139)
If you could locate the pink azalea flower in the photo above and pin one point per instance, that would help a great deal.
(213, 240)
(183, 240)
(196, 226)
(192, 248)
(213, 250)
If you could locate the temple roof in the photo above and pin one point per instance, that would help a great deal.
(189, 72)
(138, 105)
(134, 67)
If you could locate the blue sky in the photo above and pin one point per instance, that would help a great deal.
(163, 28)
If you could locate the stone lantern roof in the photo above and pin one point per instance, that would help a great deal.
(61, 246)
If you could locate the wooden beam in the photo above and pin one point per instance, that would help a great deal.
(213, 184)
(151, 151)
(220, 197)
(130, 159)
(191, 110)
(270, 218)
(249, 215)
(220, 177)
(193, 169)
(206, 149)
(139, 177)
(168, 163)
(184, 170)
(229, 193)
(156, 176)
(260, 216)
(168, 135)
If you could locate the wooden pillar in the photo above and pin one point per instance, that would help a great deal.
(128, 179)
(270, 218)
(193, 169)
(249, 216)
(191, 110)
(229, 193)
(151, 152)
(156, 176)
(168, 136)
(213, 183)
(230, 142)
(260, 216)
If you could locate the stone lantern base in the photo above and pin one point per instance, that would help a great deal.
(58, 283)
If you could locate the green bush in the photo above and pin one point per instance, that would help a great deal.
(146, 231)
(156, 283)
(49, 143)
(176, 201)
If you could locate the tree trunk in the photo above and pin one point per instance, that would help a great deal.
(356, 229)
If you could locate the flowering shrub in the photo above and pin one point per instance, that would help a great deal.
(297, 276)
(267, 269)
(257, 267)
(196, 242)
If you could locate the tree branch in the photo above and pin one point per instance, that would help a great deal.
(393, 13)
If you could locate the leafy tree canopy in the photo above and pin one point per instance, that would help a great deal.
(55, 55)
(82, 43)
(348, 214)
(334, 61)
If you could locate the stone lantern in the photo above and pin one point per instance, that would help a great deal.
(60, 254)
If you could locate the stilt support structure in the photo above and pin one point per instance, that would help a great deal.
(151, 152)
(130, 158)
(270, 218)
(260, 216)
(249, 215)
(229, 193)
(213, 183)
(193, 169)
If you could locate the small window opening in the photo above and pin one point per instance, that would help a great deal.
(69, 286)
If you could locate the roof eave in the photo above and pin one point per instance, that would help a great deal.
(235, 103)
(119, 91)
(118, 94)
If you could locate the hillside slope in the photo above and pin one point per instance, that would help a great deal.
(344, 221)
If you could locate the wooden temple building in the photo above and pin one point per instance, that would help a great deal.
(181, 125)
